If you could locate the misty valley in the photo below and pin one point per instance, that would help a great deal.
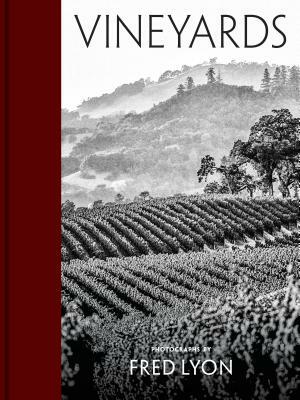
(108, 151)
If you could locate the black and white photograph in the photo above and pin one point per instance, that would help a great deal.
(180, 185)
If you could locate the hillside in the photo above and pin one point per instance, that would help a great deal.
(143, 94)
(159, 150)
(174, 225)
(214, 278)
(155, 284)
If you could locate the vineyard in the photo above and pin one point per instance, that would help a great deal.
(153, 285)
(178, 224)
(259, 335)
(221, 272)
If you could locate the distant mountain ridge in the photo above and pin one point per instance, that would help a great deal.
(141, 95)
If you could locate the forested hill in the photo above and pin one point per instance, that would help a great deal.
(208, 118)
(160, 150)
(141, 95)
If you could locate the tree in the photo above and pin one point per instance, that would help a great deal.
(294, 82)
(97, 204)
(233, 178)
(215, 188)
(145, 195)
(273, 139)
(276, 82)
(296, 177)
(288, 172)
(249, 184)
(119, 198)
(237, 154)
(190, 83)
(263, 185)
(207, 167)
(266, 82)
(180, 90)
(211, 75)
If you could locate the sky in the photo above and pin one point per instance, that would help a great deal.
(89, 72)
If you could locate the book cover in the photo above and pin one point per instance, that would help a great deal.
(180, 220)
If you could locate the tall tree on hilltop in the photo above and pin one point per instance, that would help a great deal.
(180, 90)
(211, 75)
(276, 82)
(190, 83)
(294, 82)
(266, 82)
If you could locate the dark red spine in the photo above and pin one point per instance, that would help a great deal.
(32, 199)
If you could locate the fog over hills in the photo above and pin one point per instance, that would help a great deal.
(143, 94)
(159, 149)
